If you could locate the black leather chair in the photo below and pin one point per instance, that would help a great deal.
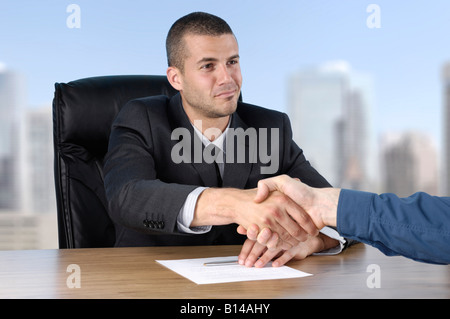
(83, 111)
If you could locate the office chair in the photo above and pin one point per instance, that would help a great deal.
(83, 112)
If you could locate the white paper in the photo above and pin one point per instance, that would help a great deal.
(196, 271)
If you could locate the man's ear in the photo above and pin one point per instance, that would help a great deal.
(174, 77)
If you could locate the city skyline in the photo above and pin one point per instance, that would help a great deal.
(396, 72)
(330, 109)
(27, 192)
(330, 116)
(403, 57)
(409, 164)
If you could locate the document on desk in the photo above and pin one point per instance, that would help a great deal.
(226, 269)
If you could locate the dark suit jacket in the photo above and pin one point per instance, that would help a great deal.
(146, 189)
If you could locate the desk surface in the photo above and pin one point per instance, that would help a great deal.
(109, 273)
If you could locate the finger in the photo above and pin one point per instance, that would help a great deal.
(272, 240)
(274, 226)
(255, 253)
(286, 231)
(241, 230)
(282, 245)
(264, 236)
(266, 257)
(284, 240)
(286, 228)
(283, 259)
(293, 232)
(296, 222)
(252, 232)
(305, 224)
(265, 186)
(280, 220)
(262, 191)
(245, 251)
(274, 243)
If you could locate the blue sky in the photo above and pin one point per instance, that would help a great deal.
(276, 39)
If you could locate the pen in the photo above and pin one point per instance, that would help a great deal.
(221, 263)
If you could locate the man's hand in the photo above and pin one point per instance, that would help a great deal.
(264, 237)
(277, 212)
(255, 254)
(320, 203)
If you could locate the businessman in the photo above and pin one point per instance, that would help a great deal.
(178, 170)
(417, 227)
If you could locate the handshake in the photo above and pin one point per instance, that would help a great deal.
(287, 225)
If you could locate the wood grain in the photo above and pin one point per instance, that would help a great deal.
(110, 273)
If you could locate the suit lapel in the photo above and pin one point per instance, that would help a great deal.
(236, 171)
(179, 119)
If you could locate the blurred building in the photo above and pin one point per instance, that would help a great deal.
(410, 163)
(446, 126)
(12, 93)
(38, 145)
(27, 231)
(27, 200)
(351, 132)
(330, 108)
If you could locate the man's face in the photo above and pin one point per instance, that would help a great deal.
(211, 81)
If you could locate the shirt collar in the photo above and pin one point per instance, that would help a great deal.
(218, 142)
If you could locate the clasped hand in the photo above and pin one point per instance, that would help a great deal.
(278, 213)
(295, 236)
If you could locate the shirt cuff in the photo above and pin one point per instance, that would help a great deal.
(353, 213)
(332, 233)
(186, 214)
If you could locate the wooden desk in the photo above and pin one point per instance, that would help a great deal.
(109, 273)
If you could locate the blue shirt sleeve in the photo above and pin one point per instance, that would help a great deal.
(417, 227)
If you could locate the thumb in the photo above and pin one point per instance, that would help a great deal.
(264, 188)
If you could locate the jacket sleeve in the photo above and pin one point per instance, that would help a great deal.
(417, 227)
(136, 198)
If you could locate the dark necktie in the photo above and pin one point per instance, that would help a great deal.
(215, 151)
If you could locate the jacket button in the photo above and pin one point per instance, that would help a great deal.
(160, 225)
(145, 222)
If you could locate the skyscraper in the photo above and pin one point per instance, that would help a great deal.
(11, 106)
(38, 144)
(351, 134)
(26, 179)
(410, 164)
(446, 127)
(330, 109)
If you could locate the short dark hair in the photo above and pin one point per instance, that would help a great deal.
(197, 23)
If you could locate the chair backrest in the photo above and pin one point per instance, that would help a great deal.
(83, 112)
